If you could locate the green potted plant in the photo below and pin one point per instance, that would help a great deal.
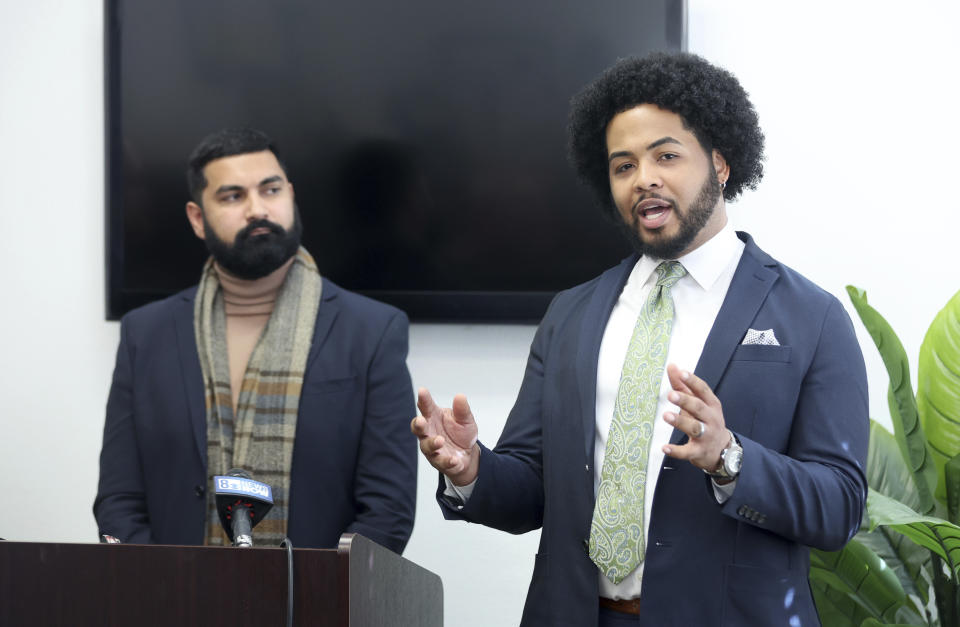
(903, 567)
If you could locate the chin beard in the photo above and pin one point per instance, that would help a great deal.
(254, 257)
(691, 223)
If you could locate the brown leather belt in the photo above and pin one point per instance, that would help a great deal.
(627, 606)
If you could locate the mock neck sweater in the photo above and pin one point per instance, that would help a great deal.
(248, 305)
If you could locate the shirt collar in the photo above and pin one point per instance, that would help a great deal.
(704, 264)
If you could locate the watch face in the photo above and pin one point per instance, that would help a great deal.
(732, 460)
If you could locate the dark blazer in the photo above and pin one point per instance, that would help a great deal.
(354, 461)
(799, 410)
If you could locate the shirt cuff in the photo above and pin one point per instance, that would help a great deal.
(720, 492)
(461, 493)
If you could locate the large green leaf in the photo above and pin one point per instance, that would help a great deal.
(939, 535)
(835, 607)
(938, 387)
(887, 470)
(887, 473)
(903, 406)
(860, 574)
(910, 562)
(873, 622)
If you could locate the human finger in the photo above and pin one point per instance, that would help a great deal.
(418, 426)
(461, 410)
(685, 452)
(431, 445)
(676, 382)
(439, 455)
(688, 404)
(454, 463)
(425, 403)
(438, 458)
(695, 429)
(698, 387)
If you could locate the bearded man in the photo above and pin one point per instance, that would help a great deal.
(691, 420)
(264, 366)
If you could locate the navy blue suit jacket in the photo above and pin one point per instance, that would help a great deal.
(799, 410)
(354, 459)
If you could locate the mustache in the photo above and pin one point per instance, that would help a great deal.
(274, 228)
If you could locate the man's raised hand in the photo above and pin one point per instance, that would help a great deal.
(448, 437)
(700, 417)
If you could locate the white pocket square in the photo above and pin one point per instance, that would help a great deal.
(765, 337)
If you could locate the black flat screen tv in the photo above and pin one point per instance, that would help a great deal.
(426, 140)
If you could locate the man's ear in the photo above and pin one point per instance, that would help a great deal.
(292, 195)
(195, 216)
(720, 166)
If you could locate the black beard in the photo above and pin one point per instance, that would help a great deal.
(691, 223)
(254, 257)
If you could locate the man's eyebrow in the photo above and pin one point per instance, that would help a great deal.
(664, 140)
(276, 178)
(659, 142)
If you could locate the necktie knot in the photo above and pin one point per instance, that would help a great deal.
(669, 272)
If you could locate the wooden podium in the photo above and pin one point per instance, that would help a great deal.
(359, 584)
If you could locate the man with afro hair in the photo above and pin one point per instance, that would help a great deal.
(691, 420)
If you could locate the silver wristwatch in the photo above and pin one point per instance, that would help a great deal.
(730, 460)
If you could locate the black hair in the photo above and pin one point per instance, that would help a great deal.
(224, 143)
(709, 100)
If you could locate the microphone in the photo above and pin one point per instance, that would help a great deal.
(241, 503)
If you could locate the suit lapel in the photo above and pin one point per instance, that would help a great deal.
(190, 371)
(326, 314)
(748, 290)
(592, 326)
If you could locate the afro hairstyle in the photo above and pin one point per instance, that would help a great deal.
(709, 100)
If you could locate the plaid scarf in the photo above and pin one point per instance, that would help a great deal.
(259, 439)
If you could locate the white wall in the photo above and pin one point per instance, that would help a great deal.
(57, 359)
(857, 100)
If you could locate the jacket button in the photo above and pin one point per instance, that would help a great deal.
(198, 490)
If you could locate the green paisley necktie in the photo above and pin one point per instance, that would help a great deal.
(616, 533)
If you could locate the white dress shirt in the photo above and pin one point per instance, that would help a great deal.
(697, 298)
